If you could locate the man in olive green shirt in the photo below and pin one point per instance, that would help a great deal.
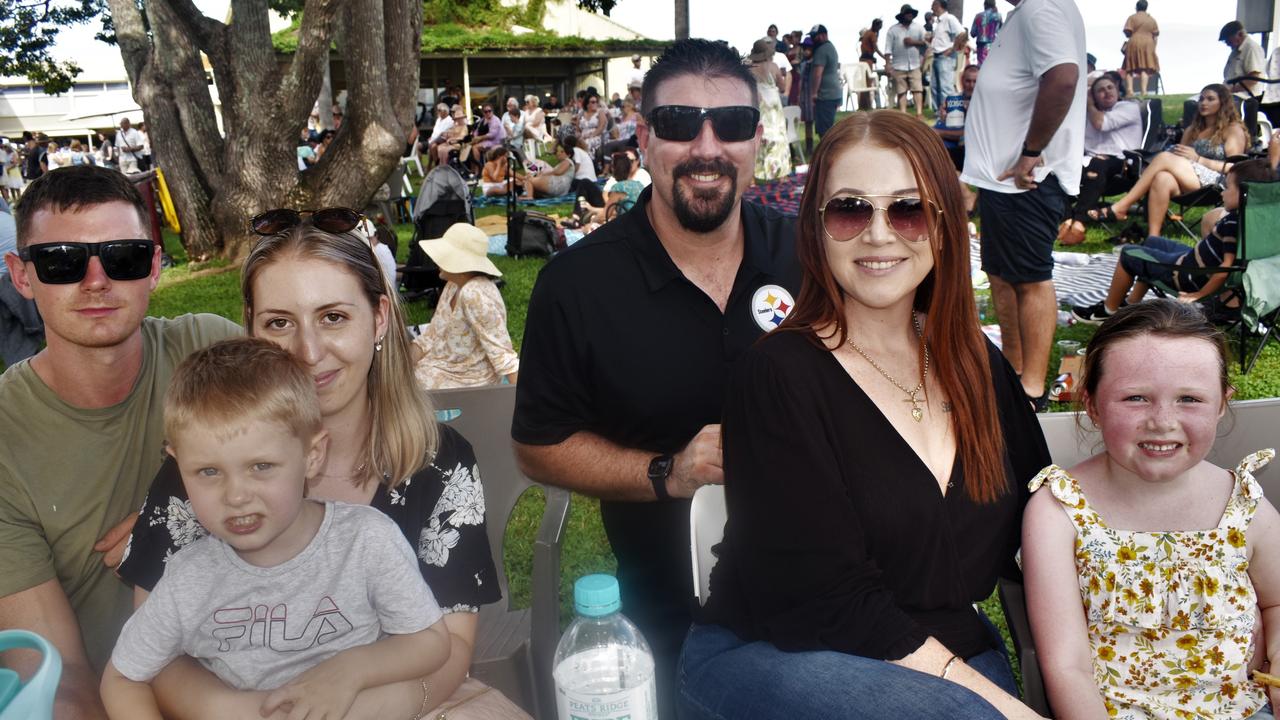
(83, 418)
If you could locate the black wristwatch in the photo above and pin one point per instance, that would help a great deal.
(1028, 152)
(659, 471)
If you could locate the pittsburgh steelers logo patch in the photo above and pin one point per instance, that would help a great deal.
(770, 306)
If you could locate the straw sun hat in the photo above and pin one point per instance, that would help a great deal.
(462, 249)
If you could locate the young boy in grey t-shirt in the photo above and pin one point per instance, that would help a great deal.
(315, 601)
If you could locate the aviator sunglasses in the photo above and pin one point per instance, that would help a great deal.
(845, 217)
(330, 220)
(682, 123)
(63, 263)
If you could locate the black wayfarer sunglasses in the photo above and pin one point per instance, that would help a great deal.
(330, 220)
(682, 123)
(63, 263)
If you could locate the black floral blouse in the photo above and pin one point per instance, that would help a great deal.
(440, 510)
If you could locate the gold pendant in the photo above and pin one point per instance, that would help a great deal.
(917, 413)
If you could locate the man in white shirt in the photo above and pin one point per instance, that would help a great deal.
(905, 43)
(1024, 140)
(1113, 126)
(129, 143)
(1270, 105)
(946, 28)
(1245, 60)
(636, 76)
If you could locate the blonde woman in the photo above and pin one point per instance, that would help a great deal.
(313, 286)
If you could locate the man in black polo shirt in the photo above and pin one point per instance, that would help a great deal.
(631, 333)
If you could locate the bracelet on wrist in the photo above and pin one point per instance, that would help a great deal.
(426, 696)
(947, 668)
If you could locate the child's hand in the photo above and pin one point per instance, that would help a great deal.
(325, 692)
(1186, 297)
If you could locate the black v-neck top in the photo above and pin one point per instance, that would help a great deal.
(839, 537)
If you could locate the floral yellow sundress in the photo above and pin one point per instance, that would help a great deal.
(1170, 614)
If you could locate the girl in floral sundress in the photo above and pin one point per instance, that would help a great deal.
(1176, 560)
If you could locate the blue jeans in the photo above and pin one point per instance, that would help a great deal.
(942, 79)
(1165, 251)
(722, 677)
(824, 115)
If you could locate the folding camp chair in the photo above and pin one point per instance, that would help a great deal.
(1259, 243)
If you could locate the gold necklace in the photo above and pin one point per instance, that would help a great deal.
(916, 413)
(355, 474)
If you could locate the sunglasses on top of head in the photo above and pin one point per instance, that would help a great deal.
(330, 220)
(63, 263)
(682, 123)
(845, 217)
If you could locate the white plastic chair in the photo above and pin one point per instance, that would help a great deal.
(860, 78)
(707, 515)
(412, 161)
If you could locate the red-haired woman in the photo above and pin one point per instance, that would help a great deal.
(876, 454)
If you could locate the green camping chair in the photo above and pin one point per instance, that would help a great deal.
(1254, 278)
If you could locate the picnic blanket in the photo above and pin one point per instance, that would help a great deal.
(500, 200)
(782, 194)
(1078, 279)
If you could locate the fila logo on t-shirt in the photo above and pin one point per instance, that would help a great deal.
(253, 628)
(770, 306)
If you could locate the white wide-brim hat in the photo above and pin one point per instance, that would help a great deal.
(463, 248)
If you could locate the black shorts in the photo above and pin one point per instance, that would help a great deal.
(1018, 231)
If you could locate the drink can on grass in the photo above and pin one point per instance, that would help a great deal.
(603, 667)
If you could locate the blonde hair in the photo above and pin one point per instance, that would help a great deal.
(235, 381)
(404, 435)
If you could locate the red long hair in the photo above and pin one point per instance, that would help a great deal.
(958, 348)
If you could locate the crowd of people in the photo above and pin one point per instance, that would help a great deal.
(128, 149)
(881, 459)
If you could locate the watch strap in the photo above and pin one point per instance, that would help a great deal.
(659, 471)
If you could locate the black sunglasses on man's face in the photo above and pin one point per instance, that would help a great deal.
(682, 123)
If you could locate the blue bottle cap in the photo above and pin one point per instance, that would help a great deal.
(596, 595)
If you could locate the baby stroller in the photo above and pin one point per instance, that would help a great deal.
(445, 199)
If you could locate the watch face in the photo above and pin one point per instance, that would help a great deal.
(660, 467)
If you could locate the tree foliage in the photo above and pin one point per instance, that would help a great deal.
(28, 31)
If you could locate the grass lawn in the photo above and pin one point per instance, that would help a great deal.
(214, 287)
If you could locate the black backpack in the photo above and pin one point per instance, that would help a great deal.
(532, 234)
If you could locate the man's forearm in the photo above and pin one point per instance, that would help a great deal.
(817, 79)
(589, 464)
(78, 696)
(1053, 100)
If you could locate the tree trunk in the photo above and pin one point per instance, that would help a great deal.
(219, 180)
(682, 19)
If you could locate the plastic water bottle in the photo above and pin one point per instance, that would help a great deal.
(603, 667)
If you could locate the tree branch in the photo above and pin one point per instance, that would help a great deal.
(183, 82)
(131, 35)
(302, 79)
(206, 30)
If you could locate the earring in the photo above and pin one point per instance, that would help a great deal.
(377, 346)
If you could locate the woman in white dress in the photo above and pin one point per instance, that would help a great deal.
(773, 159)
